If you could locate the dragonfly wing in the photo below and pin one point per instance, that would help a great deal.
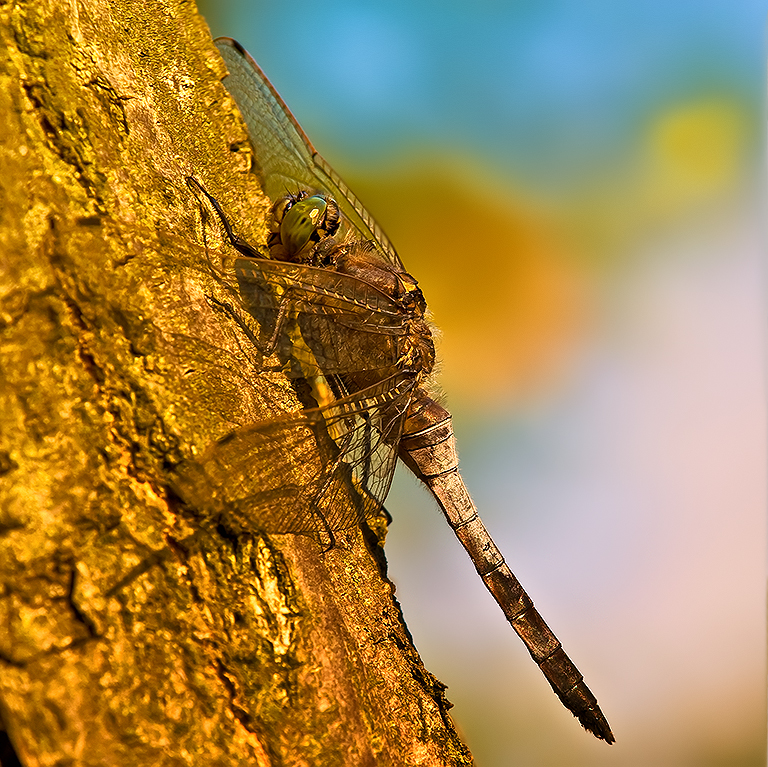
(317, 470)
(329, 323)
(286, 157)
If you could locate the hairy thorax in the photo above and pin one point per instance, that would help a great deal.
(305, 229)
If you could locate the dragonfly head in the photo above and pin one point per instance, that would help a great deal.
(300, 223)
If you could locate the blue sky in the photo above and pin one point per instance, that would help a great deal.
(541, 90)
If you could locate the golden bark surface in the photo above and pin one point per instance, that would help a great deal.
(133, 630)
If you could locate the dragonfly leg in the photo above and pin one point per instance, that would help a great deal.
(247, 250)
(333, 474)
(250, 333)
(237, 242)
(326, 537)
(282, 314)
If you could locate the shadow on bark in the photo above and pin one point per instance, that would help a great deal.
(134, 630)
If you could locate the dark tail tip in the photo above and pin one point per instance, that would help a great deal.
(593, 721)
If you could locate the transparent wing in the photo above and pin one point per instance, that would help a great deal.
(286, 157)
(316, 471)
(328, 323)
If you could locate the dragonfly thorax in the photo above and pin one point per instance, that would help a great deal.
(416, 348)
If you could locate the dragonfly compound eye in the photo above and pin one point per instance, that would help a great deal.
(301, 223)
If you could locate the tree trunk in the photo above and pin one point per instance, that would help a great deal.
(132, 630)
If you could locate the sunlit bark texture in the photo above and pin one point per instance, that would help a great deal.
(132, 629)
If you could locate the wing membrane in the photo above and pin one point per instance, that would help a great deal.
(287, 159)
(320, 469)
(328, 323)
(325, 467)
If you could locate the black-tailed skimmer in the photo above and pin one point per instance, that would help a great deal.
(333, 301)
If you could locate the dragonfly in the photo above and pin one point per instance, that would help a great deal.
(330, 299)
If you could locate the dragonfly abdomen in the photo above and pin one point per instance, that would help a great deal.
(428, 448)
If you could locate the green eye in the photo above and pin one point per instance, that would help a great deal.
(301, 221)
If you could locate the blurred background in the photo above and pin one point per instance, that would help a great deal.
(579, 188)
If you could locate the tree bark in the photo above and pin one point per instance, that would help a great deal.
(133, 630)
